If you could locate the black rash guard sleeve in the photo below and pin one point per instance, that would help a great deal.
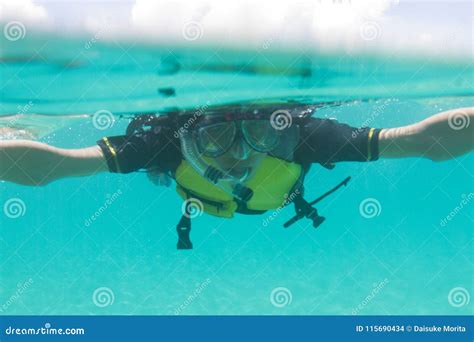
(326, 141)
(157, 148)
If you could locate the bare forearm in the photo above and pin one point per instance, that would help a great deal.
(33, 163)
(440, 137)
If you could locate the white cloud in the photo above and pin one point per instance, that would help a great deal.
(269, 24)
(25, 11)
(255, 23)
(308, 24)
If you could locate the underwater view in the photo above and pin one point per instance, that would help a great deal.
(397, 239)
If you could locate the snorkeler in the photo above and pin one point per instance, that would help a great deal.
(243, 158)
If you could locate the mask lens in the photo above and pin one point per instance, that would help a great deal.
(260, 135)
(214, 140)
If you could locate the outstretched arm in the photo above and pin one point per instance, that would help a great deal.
(440, 137)
(33, 163)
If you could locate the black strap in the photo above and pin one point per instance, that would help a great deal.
(184, 229)
(304, 208)
(344, 182)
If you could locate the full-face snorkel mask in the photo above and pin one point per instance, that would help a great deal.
(274, 133)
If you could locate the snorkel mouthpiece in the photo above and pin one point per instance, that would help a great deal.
(214, 175)
(239, 191)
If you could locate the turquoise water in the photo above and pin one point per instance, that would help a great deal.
(404, 260)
